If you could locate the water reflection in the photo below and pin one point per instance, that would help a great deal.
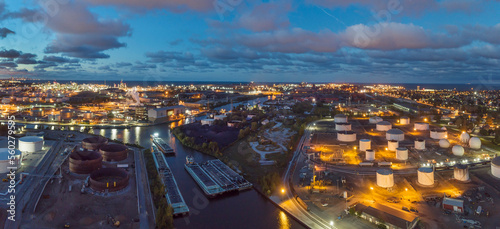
(113, 134)
(284, 222)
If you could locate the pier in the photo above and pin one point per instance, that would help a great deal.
(162, 145)
(215, 178)
(174, 196)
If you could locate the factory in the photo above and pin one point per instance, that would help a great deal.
(164, 114)
(5, 162)
(31, 144)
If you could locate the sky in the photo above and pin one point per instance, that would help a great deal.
(370, 41)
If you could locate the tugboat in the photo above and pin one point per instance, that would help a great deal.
(189, 159)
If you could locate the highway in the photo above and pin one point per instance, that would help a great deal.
(144, 201)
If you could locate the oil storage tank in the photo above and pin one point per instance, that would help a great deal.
(458, 150)
(495, 167)
(385, 178)
(461, 172)
(395, 134)
(342, 126)
(340, 118)
(384, 126)
(392, 145)
(444, 143)
(402, 154)
(404, 120)
(346, 136)
(425, 176)
(30, 144)
(108, 179)
(365, 144)
(375, 120)
(5, 161)
(94, 143)
(420, 144)
(421, 126)
(475, 143)
(84, 161)
(114, 152)
(464, 137)
(370, 155)
(439, 134)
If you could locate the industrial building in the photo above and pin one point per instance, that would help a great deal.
(454, 205)
(390, 217)
(164, 114)
(30, 144)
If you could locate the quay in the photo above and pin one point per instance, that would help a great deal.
(215, 178)
(174, 196)
(162, 145)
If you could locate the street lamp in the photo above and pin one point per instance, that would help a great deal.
(283, 190)
(331, 224)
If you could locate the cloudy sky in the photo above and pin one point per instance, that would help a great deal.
(456, 41)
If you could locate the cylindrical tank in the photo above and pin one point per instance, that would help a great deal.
(88, 115)
(370, 155)
(444, 143)
(421, 126)
(458, 150)
(365, 144)
(340, 118)
(464, 137)
(84, 162)
(384, 126)
(392, 145)
(402, 154)
(341, 126)
(37, 112)
(475, 143)
(420, 144)
(385, 178)
(461, 172)
(375, 120)
(67, 114)
(495, 167)
(404, 120)
(94, 143)
(395, 134)
(114, 152)
(30, 144)
(426, 176)
(346, 136)
(439, 134)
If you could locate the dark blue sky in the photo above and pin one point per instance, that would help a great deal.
(234, 40)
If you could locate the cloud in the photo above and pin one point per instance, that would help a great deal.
(4, 32)
(9, 53)
(59, 59)
(27, 58)
(178, 6)
(265, 17)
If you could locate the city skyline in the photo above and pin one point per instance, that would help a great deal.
(275, 41)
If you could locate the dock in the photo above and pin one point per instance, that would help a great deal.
(174, 196)
(162, 145)
(216, 178)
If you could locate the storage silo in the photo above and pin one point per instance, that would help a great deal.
(425, 176)
(461, 172)
(402, 153)
(395, 134)
(444, 143)
(439, 134)
(495, 167)
(385, 178)
(475, 143)
(392, 145)
(420, 144)
(30, 144)
(370, 155)
(464, 137)
(404, 120)
(340, 118)
(421, 126)
(375, 120)
(346, 136)
(341, 126)
(458, 150)
(365, 144)
(384, 126)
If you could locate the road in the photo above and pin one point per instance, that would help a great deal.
(145, 208)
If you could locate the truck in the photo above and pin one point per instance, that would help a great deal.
(479, 210)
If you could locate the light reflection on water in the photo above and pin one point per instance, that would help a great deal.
(284, 222)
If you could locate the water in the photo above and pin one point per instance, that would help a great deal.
(247, 209)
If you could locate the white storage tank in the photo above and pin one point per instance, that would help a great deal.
(404, 120)
(342, 126)
(420, 144)
(5, 162)
(425, 176)
(444, 143)
(402, 153)
(475, 143)
(421, 126)
(458, 150)
(365, 144)
(370, 155)
(30, 144)
(495, 167)
(384, 126)
(392, 145)
(395, 134)
(461, 172)
(375, 120)
(385, 178)
(439, 134)
(346, 136)
(464, 137)
(340, 118)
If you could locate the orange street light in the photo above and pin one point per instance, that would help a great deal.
(371, 188)
(282, 190)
